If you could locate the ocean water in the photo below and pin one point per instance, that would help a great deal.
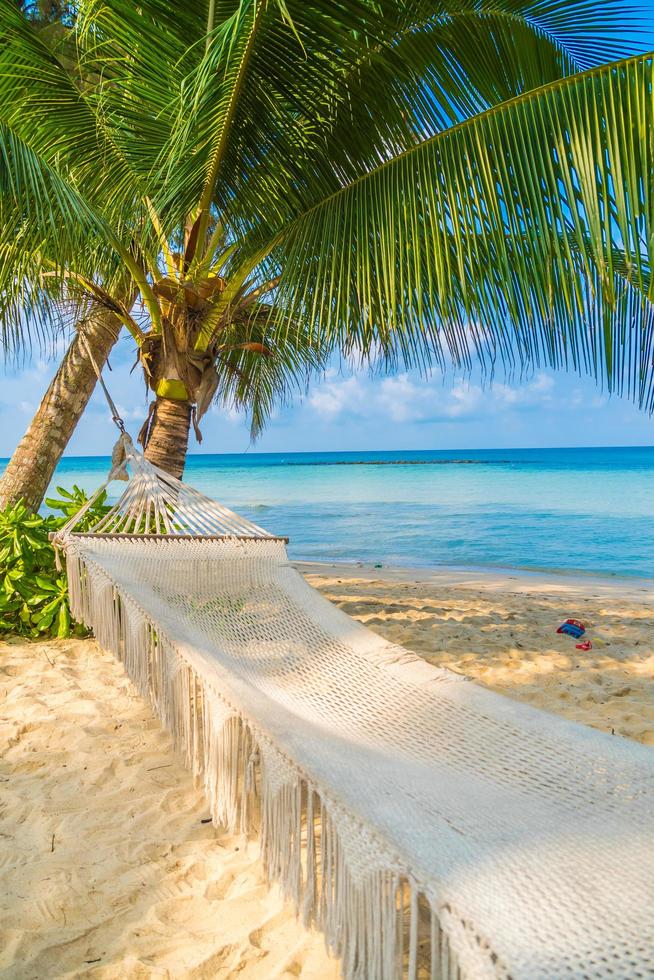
(587, 510)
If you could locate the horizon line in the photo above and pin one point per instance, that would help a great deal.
(360, 452)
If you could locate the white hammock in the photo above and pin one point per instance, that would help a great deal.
(428, 826)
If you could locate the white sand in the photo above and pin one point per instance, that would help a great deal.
(500, 629)
(106, 868)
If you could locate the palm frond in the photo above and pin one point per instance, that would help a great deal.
(256, 382)
(496, 238)
(139, 57)
(44, 106)
(341, 98)
(425, 179)
(49, 238)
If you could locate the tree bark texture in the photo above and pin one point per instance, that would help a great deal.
(30, 469)
(168, 435)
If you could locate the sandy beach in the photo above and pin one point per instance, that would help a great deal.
(108, 867)
(499, 628)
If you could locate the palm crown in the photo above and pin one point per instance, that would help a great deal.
(416, 182)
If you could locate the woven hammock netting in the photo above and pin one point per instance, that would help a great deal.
(429, 827)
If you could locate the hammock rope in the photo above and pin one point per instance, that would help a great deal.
(115, 414)
(429, 827)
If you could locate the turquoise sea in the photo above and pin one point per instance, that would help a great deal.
(576, 509)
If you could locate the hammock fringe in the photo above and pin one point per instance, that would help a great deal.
(374, 919)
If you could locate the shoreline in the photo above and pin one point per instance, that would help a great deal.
(488, 577)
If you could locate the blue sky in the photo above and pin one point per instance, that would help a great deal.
(346, 411)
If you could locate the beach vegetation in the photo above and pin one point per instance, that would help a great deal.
(33, 591)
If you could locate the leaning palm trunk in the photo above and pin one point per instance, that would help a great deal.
(33, 463)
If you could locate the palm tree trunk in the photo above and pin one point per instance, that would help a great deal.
(167, 441)
(30, 469)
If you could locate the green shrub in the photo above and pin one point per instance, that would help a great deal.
(33, 594)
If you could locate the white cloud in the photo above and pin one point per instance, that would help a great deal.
(128, 414)
(229, 413)
(464, 400)
(402, 399)
(535, 392)
(336, 395)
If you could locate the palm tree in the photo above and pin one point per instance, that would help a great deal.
(415, 182)
(253, 375)
(35, 459)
